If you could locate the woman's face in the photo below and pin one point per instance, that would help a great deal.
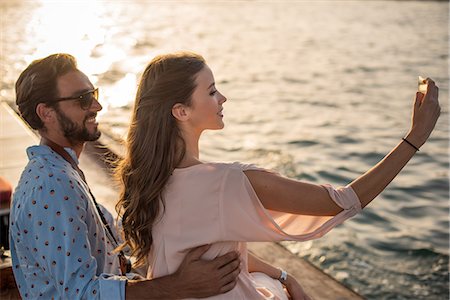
(206, 108)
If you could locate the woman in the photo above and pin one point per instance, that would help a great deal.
(171, 201)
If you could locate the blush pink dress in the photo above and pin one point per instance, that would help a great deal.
(214, 203)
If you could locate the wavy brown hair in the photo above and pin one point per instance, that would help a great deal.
(154, 146)
(38, 84)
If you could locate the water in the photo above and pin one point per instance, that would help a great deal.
(317, 90)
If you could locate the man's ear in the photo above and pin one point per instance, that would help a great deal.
(45, 113)
(180, 112)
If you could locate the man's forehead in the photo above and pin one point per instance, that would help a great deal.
(73, 82)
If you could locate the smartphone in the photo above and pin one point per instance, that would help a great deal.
(422, 85)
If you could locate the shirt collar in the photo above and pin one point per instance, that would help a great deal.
(43, 150)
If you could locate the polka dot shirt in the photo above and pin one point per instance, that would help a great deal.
(59, 247)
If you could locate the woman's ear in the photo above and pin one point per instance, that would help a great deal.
(180, 112)
(45, 113)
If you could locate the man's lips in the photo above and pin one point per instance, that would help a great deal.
(91, 119)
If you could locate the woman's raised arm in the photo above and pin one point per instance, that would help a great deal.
(292, 196)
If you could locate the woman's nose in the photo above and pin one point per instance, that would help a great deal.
(223, 99)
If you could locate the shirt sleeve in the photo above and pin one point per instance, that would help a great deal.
(54, 227)
(244, 218)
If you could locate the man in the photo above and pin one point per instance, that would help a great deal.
(60, 246)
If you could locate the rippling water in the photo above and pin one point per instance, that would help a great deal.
(317, 90)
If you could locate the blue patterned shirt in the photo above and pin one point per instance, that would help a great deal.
(59, 247)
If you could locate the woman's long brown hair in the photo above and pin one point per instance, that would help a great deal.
(154, 146)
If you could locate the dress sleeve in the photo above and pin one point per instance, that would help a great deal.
(243, 217)
(54, 227)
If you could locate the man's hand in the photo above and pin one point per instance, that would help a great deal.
(197, 278)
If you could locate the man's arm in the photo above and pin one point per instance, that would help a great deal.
(195, 278)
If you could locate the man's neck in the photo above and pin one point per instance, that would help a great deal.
(63, 142)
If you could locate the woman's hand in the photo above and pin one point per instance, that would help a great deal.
(426, 111)
(295, 290)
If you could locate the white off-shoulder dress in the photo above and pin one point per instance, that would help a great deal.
(214, 203)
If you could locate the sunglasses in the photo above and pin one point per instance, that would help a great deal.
(85, 99)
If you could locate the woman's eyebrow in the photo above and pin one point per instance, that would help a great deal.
(211, 85)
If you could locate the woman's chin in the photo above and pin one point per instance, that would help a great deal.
(218, 126)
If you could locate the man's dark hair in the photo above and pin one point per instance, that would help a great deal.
(38, 84)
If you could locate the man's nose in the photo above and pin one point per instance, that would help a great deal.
(96, 106)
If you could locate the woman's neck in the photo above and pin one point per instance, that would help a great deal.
(191, 156)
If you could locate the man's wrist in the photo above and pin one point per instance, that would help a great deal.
(178, 290)
(166, 287)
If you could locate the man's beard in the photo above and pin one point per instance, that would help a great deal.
(76, 134)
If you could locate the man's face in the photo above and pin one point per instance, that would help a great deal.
(78, 125)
